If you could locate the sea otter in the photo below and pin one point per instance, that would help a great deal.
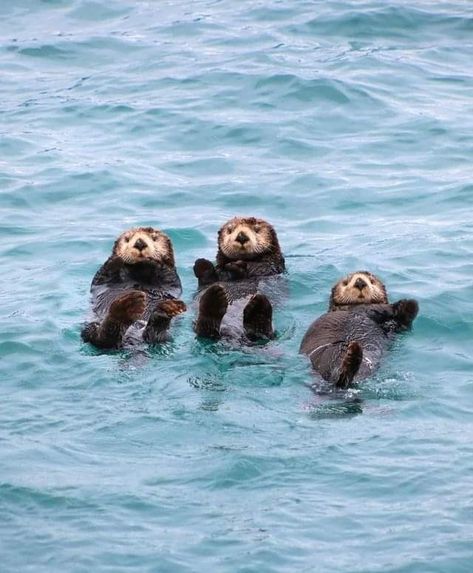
(238, 285)
(136, 287)
(346, 344)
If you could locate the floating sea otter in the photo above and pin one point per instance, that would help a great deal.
(238, 286)
(134, 293)
(346, 344)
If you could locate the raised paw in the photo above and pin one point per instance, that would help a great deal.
(212, 308)
(128, 307)
(405, 312)
(257, 317)
(202, 267)
(205, 272)
(171, 307)
(237, 269)
(158, 324)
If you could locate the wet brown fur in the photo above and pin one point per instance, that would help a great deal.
(165, 253)
(248, 251)
(349, 340)
(266, 241)
(345, 295)
(137, 282)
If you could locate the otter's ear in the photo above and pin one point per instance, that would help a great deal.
(331, 302)
(169, 258)
(115, 245)
(220, 258)
(274, 238)
(385, 294)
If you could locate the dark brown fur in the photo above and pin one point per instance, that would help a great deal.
(272, 253)
(138, 282)
(348, 341)
(248, 251)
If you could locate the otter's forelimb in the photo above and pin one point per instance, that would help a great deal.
(241, 269)
(405, 311)
(395, 317)
(205, 272)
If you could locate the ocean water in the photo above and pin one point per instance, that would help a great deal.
(349, 126)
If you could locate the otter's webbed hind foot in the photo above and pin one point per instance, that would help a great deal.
(350, 364)
(158, 324)
(258, 318)
(212, 308)
(123, 311)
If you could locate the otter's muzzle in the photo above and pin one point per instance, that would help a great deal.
(242, 238)
(140, 245)
(360, 284)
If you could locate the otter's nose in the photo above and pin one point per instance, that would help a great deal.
(140, 244)
(359, 284)
(242, 238)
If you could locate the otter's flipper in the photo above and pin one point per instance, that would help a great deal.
(123, 311)
(212, 308)
(157, 328)
(257, 318)
(234, 271)
(205, 272)
(350, 364)
(405, 311)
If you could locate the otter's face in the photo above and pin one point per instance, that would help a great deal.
(244, 238)
(144, 244)
(361, 287)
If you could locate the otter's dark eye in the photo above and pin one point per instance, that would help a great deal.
(344, 283)
(155, 238)
(127, 239)
(257, 229)
(229, 231)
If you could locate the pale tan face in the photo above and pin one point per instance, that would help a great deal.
(143, 244)
(361, 287)
(243, 238)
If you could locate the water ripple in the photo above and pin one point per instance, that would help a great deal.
(346, 124)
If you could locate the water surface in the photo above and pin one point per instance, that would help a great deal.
(349, 126)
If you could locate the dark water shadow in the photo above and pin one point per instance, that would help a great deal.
(330, 402)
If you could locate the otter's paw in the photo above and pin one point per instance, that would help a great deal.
(258, 317)
(171, 307)
(212, 308)
(160, 320)
(350, 364)
(203, 267)
(237, 269)
(405, 311)
(129, 307)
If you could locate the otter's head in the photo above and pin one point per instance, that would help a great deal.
(144, 244)
(246, 238)
(361, 287)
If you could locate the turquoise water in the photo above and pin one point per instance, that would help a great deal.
(348, 125)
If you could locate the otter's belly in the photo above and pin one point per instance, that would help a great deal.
(232, 323)
(239, 293)
(326, 340)
(372, 355)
